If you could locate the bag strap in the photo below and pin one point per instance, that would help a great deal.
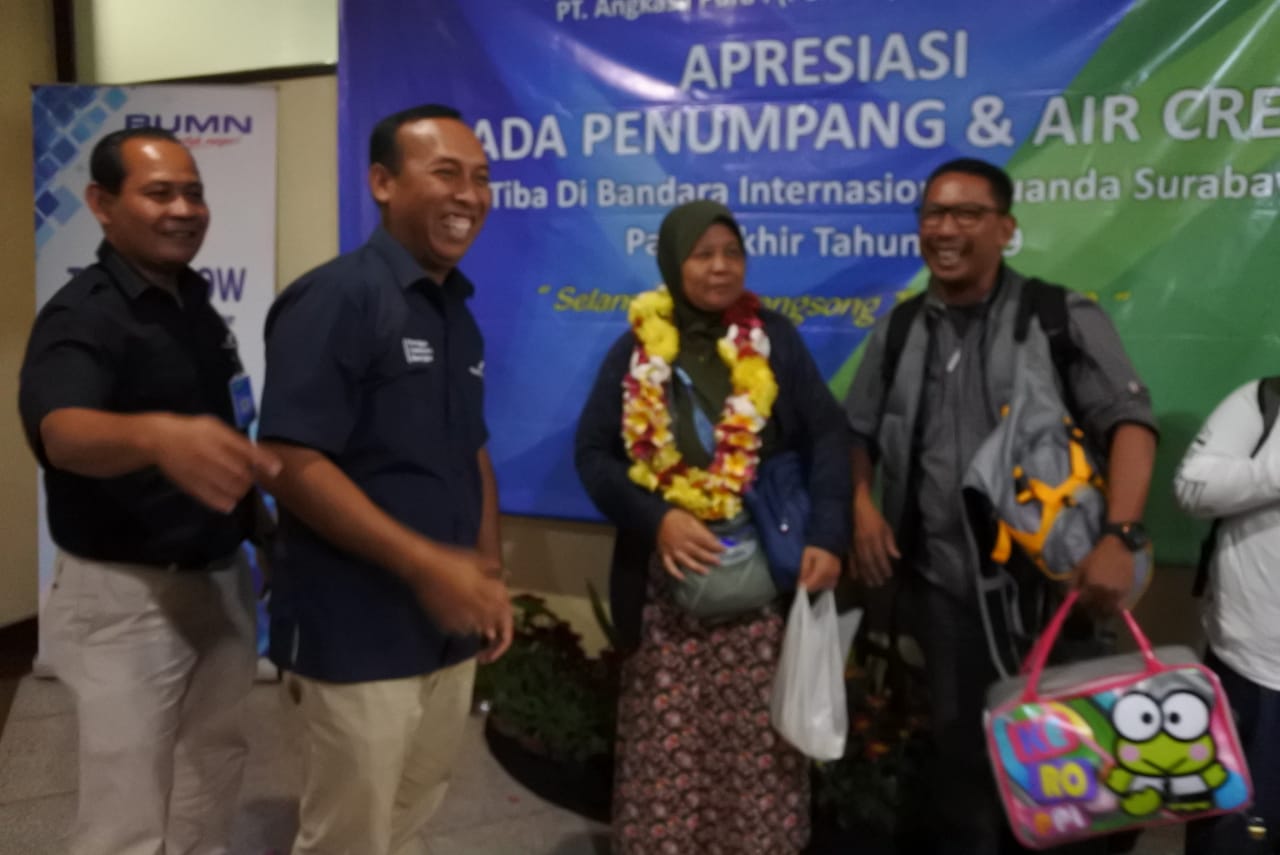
(1048, 302)
(1269, 406)
(702, 423)
(1033, 668)
(900, 320)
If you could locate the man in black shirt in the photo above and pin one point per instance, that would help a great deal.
(387, 580)
(134, 401)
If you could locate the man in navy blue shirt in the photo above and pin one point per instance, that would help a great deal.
(127, 400)
(388, 574)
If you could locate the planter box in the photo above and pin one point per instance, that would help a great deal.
(585, 787)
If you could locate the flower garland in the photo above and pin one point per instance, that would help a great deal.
(714, 493)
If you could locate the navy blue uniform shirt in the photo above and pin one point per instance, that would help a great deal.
(382, 370)
(109, 340)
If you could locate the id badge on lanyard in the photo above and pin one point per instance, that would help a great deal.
(242, 400)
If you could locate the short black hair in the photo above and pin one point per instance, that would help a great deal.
(382, 142)
(999, 180)
(106, 163)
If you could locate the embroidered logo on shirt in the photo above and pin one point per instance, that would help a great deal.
(418, 351)
(477, 370)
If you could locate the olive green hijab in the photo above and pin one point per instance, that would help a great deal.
(699, 330)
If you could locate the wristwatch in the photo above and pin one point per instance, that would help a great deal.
(1132, 534)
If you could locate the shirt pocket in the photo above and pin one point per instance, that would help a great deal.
(160, 375)
(406, 408)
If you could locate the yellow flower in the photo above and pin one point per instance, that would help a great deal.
(728, 352)
(635, 423)
(655, 303)
(739, 423)
(641, 474)
(666, 457)
(684, 494)
(646, 427)
(742, 439)
(724, 506)
(736, 465)
(662, 341)
(754, 375)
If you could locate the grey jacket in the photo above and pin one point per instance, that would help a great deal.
(949, 386)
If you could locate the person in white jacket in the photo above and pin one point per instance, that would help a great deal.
(1232, 473)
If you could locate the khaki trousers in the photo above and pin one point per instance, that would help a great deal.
(378, 757)
(159, 664)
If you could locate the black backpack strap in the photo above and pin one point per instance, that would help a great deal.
(1207, 547)
(900, 320)
(1269, 406)
(1048, 302)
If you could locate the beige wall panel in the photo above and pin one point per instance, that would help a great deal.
(26, 57)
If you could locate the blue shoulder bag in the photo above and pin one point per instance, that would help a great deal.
(778, 502)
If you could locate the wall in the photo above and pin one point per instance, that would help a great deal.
(26, 57)
(306, 175)
(128, 41)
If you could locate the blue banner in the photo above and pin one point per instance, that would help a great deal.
(815, 121)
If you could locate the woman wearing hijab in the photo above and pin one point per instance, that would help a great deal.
(705, 386)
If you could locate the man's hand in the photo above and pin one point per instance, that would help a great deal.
(819, 569)
(207, 459)
(462, 596)
(1105, 576)
(874, 546)
(683, 541)
(496, 644)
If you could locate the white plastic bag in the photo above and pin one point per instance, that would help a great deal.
(808, 705)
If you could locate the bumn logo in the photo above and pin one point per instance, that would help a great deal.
(192, 123)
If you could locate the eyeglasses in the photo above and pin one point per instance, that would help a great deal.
(965, 216)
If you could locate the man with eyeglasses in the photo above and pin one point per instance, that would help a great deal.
(920, 423)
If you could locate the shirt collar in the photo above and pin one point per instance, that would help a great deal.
(406, 269)
(932, 299)
(192, 286)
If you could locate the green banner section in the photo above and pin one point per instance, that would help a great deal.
(1153, 185)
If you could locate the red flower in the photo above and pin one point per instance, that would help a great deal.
(745, 310)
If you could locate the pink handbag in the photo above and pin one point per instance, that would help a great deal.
(1124, 741)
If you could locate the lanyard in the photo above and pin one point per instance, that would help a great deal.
(701, 422)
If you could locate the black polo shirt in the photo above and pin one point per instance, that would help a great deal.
(382, 370)
(109, 340)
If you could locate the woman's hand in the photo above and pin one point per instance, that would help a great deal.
(683, 541)
(819, 569)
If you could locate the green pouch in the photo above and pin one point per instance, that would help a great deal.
(740, 583)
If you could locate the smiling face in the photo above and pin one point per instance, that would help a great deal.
(158, 219)
(435, 202)
(963, 233)
(714, 273)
